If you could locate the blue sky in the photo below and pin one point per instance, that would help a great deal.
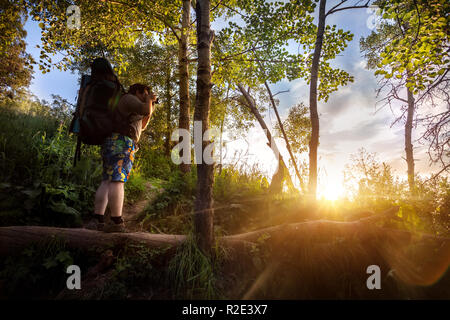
(55, 82)
(350, 120)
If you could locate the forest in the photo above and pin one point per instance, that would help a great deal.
(286, 158)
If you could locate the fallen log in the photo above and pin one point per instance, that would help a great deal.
(423, 266)
(16, 238)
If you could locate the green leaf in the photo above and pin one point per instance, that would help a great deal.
(50, 263)
(61, 207)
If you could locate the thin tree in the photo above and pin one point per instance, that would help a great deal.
(282, 171)
(183, 71)
(280, 123)
(410, 50)
(315, 66)
(203, 215)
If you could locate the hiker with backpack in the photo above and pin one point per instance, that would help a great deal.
(133, 111)
(108, 117)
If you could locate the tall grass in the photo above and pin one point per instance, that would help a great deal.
(234, 184)
(38, 181)
(193, 275)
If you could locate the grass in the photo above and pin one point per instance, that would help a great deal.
(38, 183)
(193, 275)
(135, 187)
(39, 186)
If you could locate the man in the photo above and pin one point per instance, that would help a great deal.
(131, 118)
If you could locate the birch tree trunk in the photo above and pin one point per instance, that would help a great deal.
(408, 141)
(288, 145)
(183, 71)
(168, 113)
(314, 142)
(277, 179)
(203, 216)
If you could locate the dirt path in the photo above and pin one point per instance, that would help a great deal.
(131, 212)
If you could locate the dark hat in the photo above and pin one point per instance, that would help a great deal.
(101, 65)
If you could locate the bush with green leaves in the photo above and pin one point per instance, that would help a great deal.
(152, 161)
(135, 186)
(138, 270)
(39, 271)
(177, 195)
(170, 211)
(39, 184)
(38, 181)
(376, 188)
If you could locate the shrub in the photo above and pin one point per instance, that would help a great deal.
(38, 178)
(233, 184)
(39, 271)
(135, 186)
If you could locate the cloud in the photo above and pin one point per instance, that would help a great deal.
(360, 93)
(365, 130)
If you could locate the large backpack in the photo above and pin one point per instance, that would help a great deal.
(94, 117)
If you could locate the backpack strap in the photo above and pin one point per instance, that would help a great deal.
(78, 113)
(121, 122)
(84, 93)
(77, 155)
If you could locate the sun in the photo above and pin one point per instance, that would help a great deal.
(331, 191)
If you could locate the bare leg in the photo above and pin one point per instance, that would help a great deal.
(115, 198)
(101, 198)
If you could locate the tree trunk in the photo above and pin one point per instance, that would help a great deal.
(314, 142)
(221, 144)
(13, 239)
(408, 141)
(288, 145)
(222, 122)
(168, 114)
(277, 179)
(203, 216)
(183, 70)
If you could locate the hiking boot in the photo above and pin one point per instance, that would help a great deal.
(94, 224)
(115, 227)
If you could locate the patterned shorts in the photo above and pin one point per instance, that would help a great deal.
(118, 156)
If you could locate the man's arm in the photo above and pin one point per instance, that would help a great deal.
(131, 104)
(145, 122)
(150, 99)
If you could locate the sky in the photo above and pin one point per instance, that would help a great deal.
(350, 120)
